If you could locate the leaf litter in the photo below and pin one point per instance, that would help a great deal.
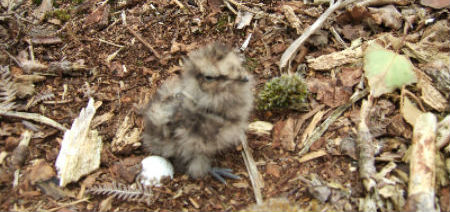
(120, 52)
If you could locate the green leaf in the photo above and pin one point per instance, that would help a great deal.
(386, 70)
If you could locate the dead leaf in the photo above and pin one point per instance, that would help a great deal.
(243, 19)
(106, 204)
(25, 89)
(273, 170)
(177, 47)
(436, 4)
(387, 15)
(352, 32)
(312, 155)
(127, 138)
(5, 176)
(260, 128)
(98, 18)
(329, 92)
(126, 172)
(409, 111)
(444, 198)
(439, 31)
(46, 6)
(40, 171)
(214, 5)
(348, 147)
(431, 96)
(50, 188)
(439, 71)
(284, 134)
(398, 127)
(350, 76)
(292, 18)
(98, 120)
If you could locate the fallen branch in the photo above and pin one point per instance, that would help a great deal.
(318, 132)
(35, 117)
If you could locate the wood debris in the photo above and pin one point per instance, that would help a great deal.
(80, 149)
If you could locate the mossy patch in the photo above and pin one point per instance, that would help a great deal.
(284, 92)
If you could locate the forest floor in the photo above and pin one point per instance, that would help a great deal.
(59, 53)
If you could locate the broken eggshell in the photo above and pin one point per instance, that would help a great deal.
(154, 169)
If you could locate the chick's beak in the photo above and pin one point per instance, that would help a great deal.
(244, 79)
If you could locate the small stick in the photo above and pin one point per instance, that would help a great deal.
(422, 167)
(35, 117)
(69, 204)
(179, 4)
(143, 41)
(365, 140)
(338, 37)
(13, 58)
(366, 163)
(110, 43)
(54, 102)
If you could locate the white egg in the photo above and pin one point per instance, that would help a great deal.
(155, 168)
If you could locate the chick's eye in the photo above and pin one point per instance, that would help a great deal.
(209, 78)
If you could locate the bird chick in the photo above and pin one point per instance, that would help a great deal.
(201, 113)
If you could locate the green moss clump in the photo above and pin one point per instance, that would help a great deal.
(37, 2)
(222, 23)
(77, 1)
(284, 92)
(61, 14)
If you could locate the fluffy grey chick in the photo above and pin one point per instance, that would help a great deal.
(201, 113)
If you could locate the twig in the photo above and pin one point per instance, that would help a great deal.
(34, 117)
(13, 58)
(179, 4)
(367, 170)
(295, 46)
(143, 41)
(54, 102)
(69, 204)
(404, 92)
(139, 37)
(315, 135)
(422, 166)
(338, 37)
(255, 176)
(365, 139)
(110, 43)
(230, 7)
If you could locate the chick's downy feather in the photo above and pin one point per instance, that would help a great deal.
(203, 112)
